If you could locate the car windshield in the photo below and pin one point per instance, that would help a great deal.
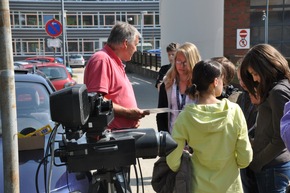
(32, 104)
(75, 56)
(54, 73)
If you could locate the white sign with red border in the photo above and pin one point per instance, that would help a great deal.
(243, 38)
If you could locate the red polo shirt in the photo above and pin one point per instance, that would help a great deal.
(105, 73)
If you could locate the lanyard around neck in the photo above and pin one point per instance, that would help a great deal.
(183, 97)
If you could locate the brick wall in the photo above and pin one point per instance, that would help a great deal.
(236, 16)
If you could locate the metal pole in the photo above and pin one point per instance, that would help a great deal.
(267, 21)
(63, 33)
(8, 104)
(141, 29)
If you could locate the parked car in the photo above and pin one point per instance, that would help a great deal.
(33, 112)
(76, 60)
(43, 59)
(57, 74)
(157, 52)
(20, 63)
(59, 60)
(69, 69)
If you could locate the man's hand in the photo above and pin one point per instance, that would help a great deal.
(136, 114)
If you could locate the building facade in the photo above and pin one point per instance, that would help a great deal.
(87, 24)
(253, 14)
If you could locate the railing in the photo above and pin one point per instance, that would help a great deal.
(147, 60)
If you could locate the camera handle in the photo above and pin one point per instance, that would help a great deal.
(112, 181)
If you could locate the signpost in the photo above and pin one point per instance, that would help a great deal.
(53, 28)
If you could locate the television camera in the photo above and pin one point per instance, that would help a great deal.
(80, 112)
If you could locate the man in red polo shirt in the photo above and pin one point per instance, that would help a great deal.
(105, 74)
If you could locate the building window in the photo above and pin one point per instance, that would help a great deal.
(88, 46)
(87, 20)
(132, 19)
(72, 20)
(73, 46)
(46, 18)
(157, 19)
(16, 45)
(109, 20)
(16, 22)
(278, 24)
(148, 20)
(31, 20)
(96, 20)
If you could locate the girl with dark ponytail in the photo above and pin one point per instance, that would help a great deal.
(217, 132)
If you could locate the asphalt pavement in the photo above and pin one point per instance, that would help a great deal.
(147, 97)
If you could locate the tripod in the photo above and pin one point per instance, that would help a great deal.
(111, 181)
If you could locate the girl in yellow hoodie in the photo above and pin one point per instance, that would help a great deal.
(217, 132)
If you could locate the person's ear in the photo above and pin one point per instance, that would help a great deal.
(125, 43)
(215, 82)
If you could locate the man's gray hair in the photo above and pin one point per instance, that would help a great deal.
(122, 31)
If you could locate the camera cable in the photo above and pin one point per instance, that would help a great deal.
(51, 146)
(141, 176)
(137, 178)
(37, 172)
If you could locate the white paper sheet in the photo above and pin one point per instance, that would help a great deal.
(159, 110)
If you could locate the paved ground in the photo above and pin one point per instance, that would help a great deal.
(146, 164)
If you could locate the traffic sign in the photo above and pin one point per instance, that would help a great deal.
(243, 38)
(53, 28)
(243, 33)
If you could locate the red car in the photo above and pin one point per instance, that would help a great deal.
(57, 74)
(43, 59)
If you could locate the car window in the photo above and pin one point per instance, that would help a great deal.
(75, 56)
(54, 73)
(32, 106)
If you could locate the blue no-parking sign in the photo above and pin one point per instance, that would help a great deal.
(53, 28)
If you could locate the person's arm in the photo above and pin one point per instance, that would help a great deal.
(174, 158)
(244, 152)
(163, 70)
(277, 99)
(129, 113)
(285, 126)
(159, 77)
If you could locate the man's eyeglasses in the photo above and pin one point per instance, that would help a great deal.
(179, 62)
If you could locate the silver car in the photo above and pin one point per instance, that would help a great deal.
(76, 60)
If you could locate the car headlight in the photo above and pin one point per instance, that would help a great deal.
(68, 84)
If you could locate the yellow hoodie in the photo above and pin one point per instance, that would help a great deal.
(218, 135)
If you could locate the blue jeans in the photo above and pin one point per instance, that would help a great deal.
(274, 179)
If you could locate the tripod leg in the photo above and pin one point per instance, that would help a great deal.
(122, 182)
(111, 182)
(98, 185)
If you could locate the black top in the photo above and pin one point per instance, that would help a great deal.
(162, 118)
(249, 109)
(162, 73)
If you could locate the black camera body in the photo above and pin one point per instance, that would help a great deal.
(81, 112)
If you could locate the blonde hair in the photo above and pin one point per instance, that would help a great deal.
(191, 53)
